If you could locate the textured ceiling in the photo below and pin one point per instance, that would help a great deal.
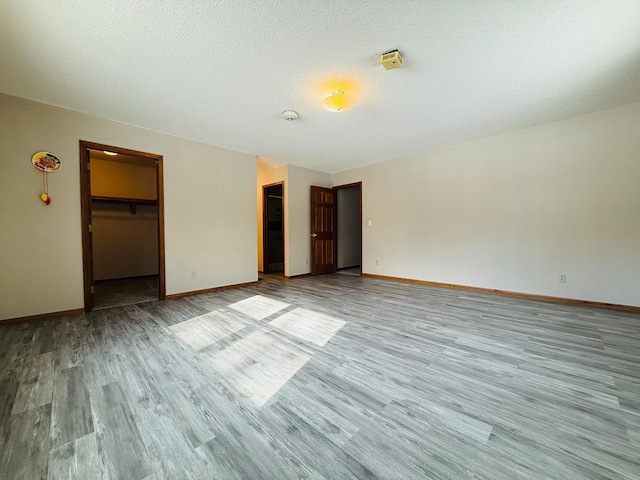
(222, 72)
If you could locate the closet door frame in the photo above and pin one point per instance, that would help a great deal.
(85, 207)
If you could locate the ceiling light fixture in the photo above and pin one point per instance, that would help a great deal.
(109, 153)
(338, 101)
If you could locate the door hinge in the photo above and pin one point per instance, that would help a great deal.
(89, 165)
(93, 289)
(90, 228)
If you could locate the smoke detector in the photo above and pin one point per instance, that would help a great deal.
(290, 115)
(391, 60)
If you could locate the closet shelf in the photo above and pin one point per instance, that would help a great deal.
(132, 202)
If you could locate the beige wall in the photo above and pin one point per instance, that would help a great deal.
(124, 245)
(210, 208)
(514, 211)
(123, 180)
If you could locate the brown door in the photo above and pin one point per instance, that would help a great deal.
(323, 230)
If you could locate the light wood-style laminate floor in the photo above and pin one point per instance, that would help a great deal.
(332, 377)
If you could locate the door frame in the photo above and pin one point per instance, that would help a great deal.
(349, 185)
(85, 208)
(265, 229)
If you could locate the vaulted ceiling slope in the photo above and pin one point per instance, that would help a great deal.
(222, 72)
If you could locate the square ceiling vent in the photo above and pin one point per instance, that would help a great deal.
(391, 60)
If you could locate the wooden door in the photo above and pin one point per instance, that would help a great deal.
(323, 230)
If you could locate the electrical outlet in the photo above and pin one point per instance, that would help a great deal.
(377, 262)
(307, 261)
(192, 274)
(562, 278)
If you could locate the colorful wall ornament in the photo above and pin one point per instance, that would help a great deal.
(47, 163)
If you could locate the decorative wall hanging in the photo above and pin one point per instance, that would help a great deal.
(46, 162)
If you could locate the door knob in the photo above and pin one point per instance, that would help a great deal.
(314, 234)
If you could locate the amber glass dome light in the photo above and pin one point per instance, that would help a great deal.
(338, 101)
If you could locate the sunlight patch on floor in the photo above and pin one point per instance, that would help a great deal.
(207, 329)
(258, 307)
(259, 365)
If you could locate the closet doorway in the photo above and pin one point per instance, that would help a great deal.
(122, 226)
(273, 228)
(349, 228)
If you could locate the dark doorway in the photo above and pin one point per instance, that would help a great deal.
(122, 225)
(349, 228)
(273, 228)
